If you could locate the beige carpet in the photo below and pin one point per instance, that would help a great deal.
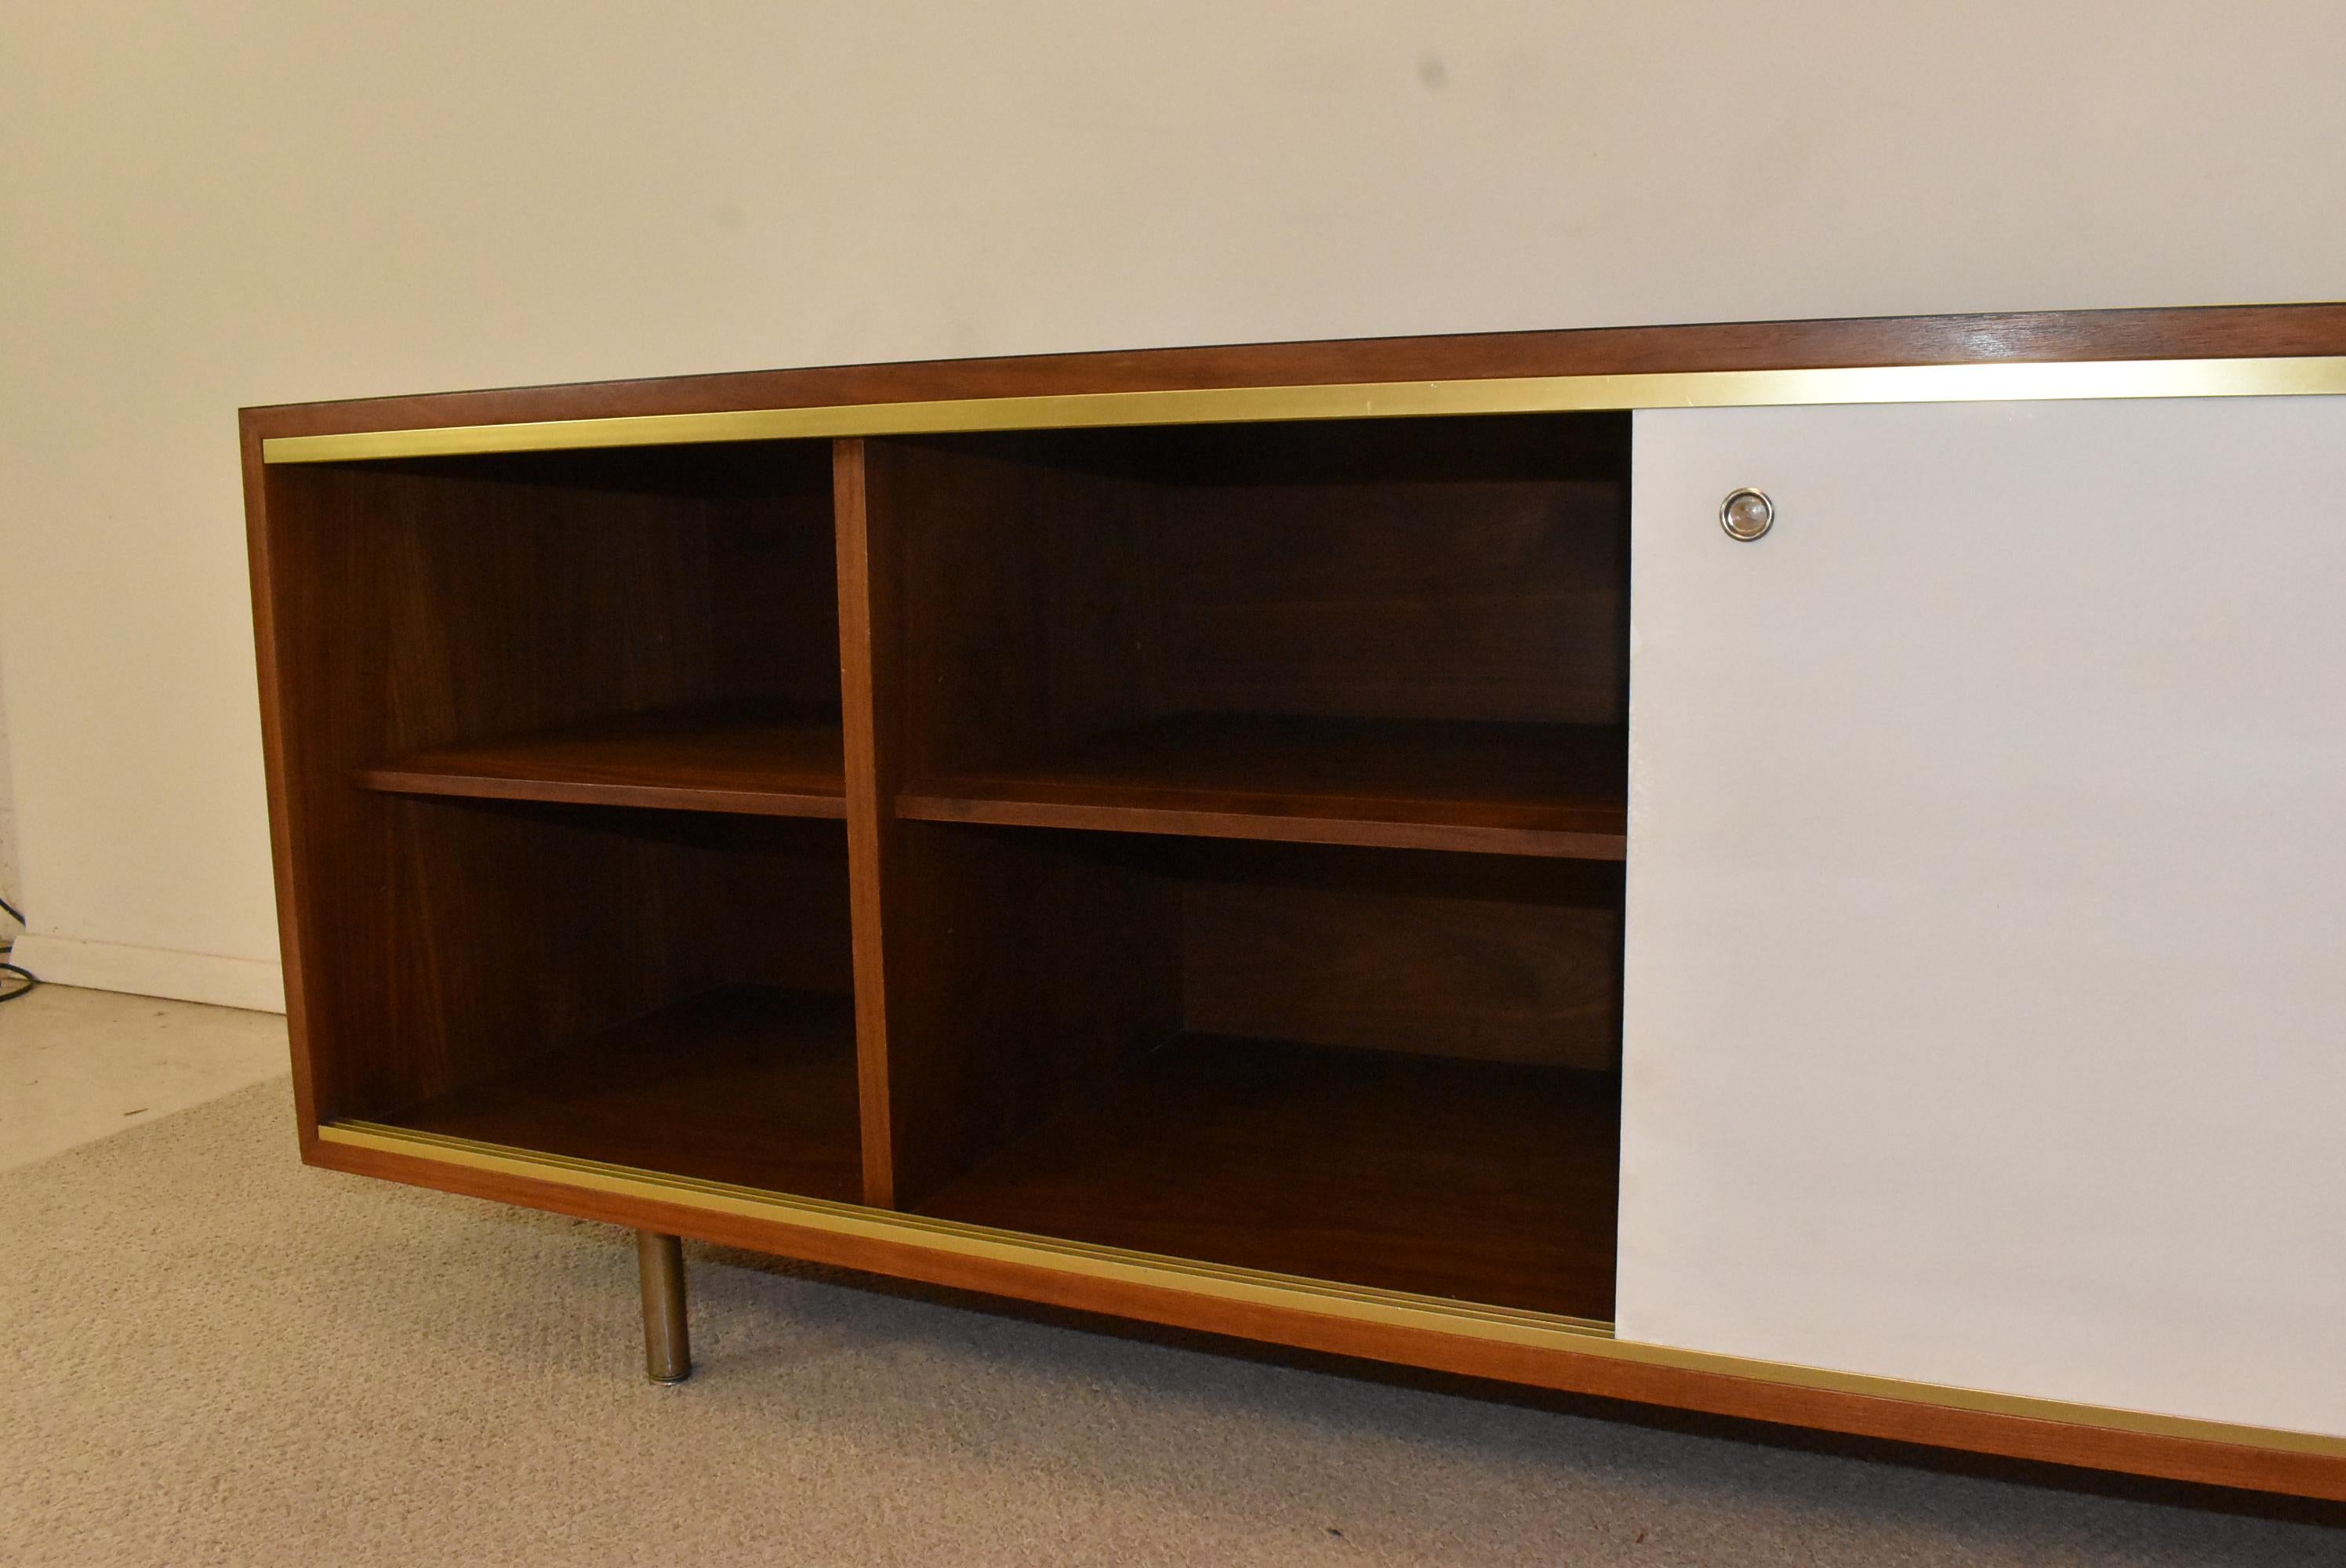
(217, 1357)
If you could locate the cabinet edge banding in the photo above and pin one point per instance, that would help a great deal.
(2292, 376)
(1535, 1330)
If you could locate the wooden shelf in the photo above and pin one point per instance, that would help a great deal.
(1555, 790)
(777, 762)
(746, 1084)
(1489, 1182)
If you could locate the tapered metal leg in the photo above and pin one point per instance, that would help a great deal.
(667, 1344)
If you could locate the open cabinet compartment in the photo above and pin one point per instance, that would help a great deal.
(652, 627)
(1403, 632)
(1396, 1069)
(668, 991)
(486, 669)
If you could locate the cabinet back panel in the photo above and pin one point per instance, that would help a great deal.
(1502, 601)
(1062, 586)
(1472, 956)
(494, 606)
(1031, 612)
(1033, 964)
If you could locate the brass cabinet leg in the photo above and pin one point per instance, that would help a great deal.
(667, 1344)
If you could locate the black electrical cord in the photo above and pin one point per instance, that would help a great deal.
(20, 971)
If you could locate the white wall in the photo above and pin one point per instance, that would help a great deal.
(11, 890)
(209, 205)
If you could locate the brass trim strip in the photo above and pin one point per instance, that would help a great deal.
(2269, 377)
(955, 1236)
(1576, 1336)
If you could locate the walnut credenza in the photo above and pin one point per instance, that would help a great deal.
(1791, 870)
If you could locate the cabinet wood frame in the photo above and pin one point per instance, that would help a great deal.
(2253, 351)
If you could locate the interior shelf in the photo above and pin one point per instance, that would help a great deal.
(1491, 1182)
(773, 761)
(1554, 790)
(753, 1085)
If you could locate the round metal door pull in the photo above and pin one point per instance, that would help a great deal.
(1746, 513)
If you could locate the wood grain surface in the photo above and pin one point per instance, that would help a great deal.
(1507, 788)
(765, 762)
(745, 1085)
(2222, 332)
(1471, 1179)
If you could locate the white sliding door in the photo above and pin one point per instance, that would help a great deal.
(1986, 1015)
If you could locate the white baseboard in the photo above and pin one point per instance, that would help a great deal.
(253, 983)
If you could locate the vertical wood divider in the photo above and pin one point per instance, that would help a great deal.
(871, 695)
